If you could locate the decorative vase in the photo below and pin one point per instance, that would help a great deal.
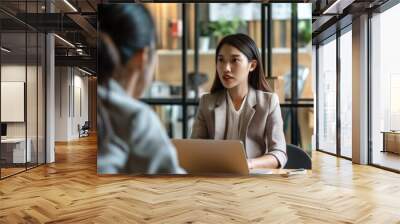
(204, 44)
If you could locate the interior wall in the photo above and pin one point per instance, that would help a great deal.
(61, 103)
(71, 102)
(80, 102)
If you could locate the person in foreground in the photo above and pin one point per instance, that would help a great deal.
(131, 139)
(241, 105)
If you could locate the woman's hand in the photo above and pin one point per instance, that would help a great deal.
(250, 164)
(263, 162)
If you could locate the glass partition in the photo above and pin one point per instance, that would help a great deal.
(385, 89)
(15, 151)
(31, 100)
(32, 86)
(346, 94)
(327, 96)
(41, 119)
(22, 89)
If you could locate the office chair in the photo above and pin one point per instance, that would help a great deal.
(84, 130)
(297, 158)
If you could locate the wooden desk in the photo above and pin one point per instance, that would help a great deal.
(391, 141)
(13, 150)
(286, 172)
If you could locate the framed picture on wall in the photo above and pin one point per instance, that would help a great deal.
(12, 101)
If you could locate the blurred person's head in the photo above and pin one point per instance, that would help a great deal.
(127, 41)
(238, 62)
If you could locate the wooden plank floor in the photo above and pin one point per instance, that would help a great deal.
(70, 191)
(9, 171)
(387, 159)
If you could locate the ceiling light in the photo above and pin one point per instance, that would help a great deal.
(65, 41)
(337, 7)
(5, 50)
(71, 6)
(84, 71)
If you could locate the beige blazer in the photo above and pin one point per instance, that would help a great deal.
(262, 129)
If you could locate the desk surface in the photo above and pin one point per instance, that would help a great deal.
(13, 140)
(256, 172)
(390, 132)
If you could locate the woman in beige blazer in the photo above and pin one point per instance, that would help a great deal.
(242, 106)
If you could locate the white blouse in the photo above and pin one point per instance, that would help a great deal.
(233, 118)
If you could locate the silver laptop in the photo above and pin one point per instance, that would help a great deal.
(204, 156)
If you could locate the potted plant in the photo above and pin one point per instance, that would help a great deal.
(222, 27)
(305, 32)
(204, 41)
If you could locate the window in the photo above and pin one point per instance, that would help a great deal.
(346, 94)
(327, 96)
(385, 85)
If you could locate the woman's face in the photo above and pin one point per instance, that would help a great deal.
(233, 67)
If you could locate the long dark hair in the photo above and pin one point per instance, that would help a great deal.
(124, 29)
(248, 47)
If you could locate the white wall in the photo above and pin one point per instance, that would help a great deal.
(12, 73)
(71, 94)
(81, 101)
(61, 103)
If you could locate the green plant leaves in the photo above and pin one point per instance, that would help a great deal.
(223, 27)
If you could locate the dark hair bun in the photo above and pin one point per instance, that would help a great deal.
(108, 57)
(124, 30)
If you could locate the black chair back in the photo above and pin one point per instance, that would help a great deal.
(297, 158)
(86, 125)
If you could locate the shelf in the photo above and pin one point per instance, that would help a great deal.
(169, 52)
